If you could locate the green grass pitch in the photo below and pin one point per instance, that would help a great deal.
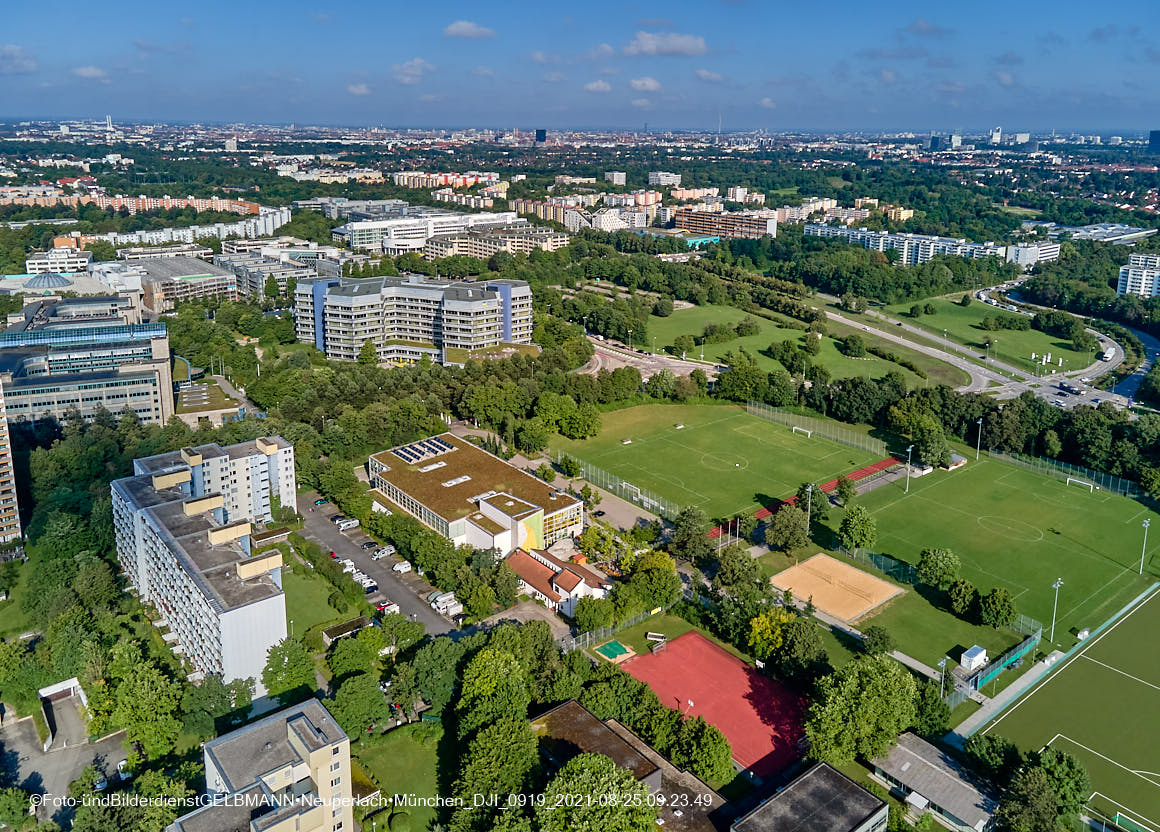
(1021, 530)
(723, 460)
(1100, 706)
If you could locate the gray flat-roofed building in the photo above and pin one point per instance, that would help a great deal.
(171, 280)
(932, 781)
(820, 800)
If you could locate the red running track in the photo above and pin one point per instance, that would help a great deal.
(827, 487)
(761, 718)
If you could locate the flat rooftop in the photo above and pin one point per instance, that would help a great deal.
(467, 474)
(820, 800)
(176, 268)
(572, 729)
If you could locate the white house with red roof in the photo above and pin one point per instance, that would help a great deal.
(559, 584)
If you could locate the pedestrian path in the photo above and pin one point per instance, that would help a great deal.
(999, 702)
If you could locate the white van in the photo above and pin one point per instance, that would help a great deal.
(347, 524)
(383, 552)
(402, 566)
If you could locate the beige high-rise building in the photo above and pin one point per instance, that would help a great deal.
(287, 772)
(9, 508)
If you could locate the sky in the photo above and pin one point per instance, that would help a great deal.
(753, 64)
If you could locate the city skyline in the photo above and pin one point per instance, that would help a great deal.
(620, 66)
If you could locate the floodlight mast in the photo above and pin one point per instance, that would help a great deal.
(1058, 583)
(908, 450)
(1144, 548)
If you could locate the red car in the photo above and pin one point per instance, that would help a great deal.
(334, 555)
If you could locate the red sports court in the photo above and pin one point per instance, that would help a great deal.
(761, 718)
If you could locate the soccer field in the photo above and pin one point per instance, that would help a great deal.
(1022, 530)
(1101, 707)
(723, 459)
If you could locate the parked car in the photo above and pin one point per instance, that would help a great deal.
(402, 566)
(321, 502)
(100, 782)
(123, 772)
(371, 587)
(347, 523)
(383, 552)
(338, 518)
(370, 544)
(387, 607)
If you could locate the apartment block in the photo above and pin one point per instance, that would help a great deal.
(1026, 255)
(1141, 276)
(663, 178)
(9, 507)
(912, 249)
(85, 353)
(484, 244)
(410, 233)
(411, 317)
(616, 177)
(172, 280)
(287, 772)
(160, 252)
(182, 523)
(465, 200)
(251, 271)
(734, 224)
(63, 260)
(698, 193)
(419, 179)
(264, 224)
(898, 214)
(470, 496)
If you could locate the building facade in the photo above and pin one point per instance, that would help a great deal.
(182, 523)
(472, 497)
(663, 178)
(1141, 276)
(287, 772)
(411, 317)
(399, 235)
(10, 528)
(484, 244)
(557, 584)
(733, 224)
(172, 280)
(914, 249)
(62, 260)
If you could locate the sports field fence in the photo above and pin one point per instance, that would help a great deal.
(1065, 470)
(891, 567)
(594, 637)
(648, 500)
(819, 428)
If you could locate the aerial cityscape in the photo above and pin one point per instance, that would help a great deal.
(701, 418)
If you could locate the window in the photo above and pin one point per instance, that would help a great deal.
(336, 782)
(336, 765)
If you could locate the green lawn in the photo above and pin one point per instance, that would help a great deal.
(13, 619)
(963, 325)
(402, 765)
(306, 595)
(1100, 706)
(692, 321)
(723, 459)
(928, 633)
(1021, 530)
(203, 396)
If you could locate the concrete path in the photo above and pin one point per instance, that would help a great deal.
(999, 702)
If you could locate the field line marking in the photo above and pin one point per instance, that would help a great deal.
(1076, 606)
(1142, 819)
(1122, 673)
(1137, 514)
(1136, 772)
(1067, 662)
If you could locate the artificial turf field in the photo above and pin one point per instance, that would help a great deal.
(1022, 530)
(1101, 705)
(723, 460)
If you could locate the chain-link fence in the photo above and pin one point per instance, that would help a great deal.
(636, 495)
(1065, 470)
(819, 428)
(594, 637)
(898, 570)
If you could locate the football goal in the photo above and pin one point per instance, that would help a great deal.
(1082, 483)
(809, 433)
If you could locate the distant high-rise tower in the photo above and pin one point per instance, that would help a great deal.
(997, 135)
(956, 140)
(9, 509)
(231, 145)
(935, 142)
(108, 124)
(1154, 141)
(541, 136)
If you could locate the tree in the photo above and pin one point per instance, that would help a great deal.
(854, 346)
(569, 467)
(877, 639)
(965, 301)
(654, 580)
(289, 672)
(860, 709)
(14, 805)
(810, 496)
(766, 631)
(963, 597)
(572, 799)
(735, 568)
(997, 608)
(1068, 779)
(703, 750)
(546, 472)
(146, 705)
(368, 354)
(593, 613)
(495, 685)
(689, 534)
(1029, 805)
(359, 703)
(932, 715)
(845, 490)
(858, 528)
(787, 529)
(993, 756)
(498, 760)
(938, 567)
(349, 656)
(802, 654)
(271, 287)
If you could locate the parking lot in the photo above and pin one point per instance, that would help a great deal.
(408, 590)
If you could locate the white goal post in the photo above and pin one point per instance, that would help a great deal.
(809, 433)
(1076, 481)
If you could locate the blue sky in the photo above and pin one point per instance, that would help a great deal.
(758, 63)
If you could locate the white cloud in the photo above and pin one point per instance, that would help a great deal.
(640, 103)
(645, 84)
(1004, 79)
(666, 43)
(91, 73)
(468, 29)
(767, 103)
(16, 60)
(412, 71)
(601, 50)
(358, 89)
(555, 77)
(483, 70)
(539, 56)
(598, 86)
(710, 76)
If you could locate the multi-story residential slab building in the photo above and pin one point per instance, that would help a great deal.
(62, 260)
(914, 249)
(410, 233)
(661, 177)
(159, 252)
(411, 317)
(470, 496)
(182, 523)
(616, 177)
(85, 353)
(10, 528)
(486, 243)
(735, 224)
(287, 772)
(1141, 276)
(171, 280)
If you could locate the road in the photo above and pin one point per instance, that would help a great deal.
(1130, 385)
(407, 590)
(610, 354)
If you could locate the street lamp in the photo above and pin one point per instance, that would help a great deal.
(1144, 549)
(1058, 583)
(979, 441)
(908, 450)
(941, 675)
(809, 504)
(630, 339)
